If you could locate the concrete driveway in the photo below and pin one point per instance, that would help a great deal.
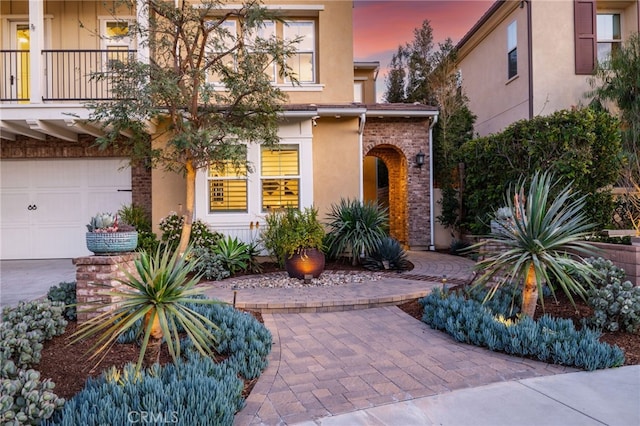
(31, 279)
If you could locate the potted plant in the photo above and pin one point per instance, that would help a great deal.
(294, 237)
(106, 236)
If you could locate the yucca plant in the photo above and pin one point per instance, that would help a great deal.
(356, 227)
(158, 295)
(542, 242)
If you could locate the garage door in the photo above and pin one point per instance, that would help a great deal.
(45, 204)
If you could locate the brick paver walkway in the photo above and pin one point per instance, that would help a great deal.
(332, 356)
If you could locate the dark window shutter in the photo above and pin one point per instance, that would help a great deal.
(585, 35)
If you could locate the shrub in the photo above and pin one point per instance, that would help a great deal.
(233, 254)
(201, 235)
(65, 293)
(210, 265)
(548, 339)
(388, 255)
(355, 227)
(135, 216)
(580, 145)
(290, 230)
(24, 398)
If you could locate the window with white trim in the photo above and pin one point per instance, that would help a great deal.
(280, 177)
(116, 39)
(227, 185)
(512, 50)
(303, 62)
(608, 34)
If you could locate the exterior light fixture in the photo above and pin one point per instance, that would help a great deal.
(420, 159)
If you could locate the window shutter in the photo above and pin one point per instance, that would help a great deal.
(585, 35)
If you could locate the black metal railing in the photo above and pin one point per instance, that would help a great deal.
(14, 75)
(69, 75)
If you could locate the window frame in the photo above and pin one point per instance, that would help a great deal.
(512, 49)
(285, 25)
(611, 42)
(228, 175)
(280, 177)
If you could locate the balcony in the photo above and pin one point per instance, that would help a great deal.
(67, 75)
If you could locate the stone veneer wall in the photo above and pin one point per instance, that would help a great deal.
(623, 256)
(397, 141)
(52, 148)
(96, 275)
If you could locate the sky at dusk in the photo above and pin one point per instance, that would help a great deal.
(380, 26)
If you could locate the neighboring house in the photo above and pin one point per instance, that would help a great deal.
(529, 58)
(53, 179)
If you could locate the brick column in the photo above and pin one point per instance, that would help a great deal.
(96, 275)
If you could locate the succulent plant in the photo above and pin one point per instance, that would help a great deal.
(103, 222)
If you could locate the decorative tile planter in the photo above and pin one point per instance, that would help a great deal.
(102, 243)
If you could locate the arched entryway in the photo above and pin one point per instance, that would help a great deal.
(385, 176)
(395, 142)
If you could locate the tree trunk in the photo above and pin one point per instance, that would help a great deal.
(189, 207)
(530, 293)
(152, 354)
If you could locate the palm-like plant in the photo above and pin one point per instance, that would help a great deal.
(537, 246)
(355, 227)
(158, 295)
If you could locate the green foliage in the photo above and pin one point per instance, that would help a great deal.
(244, 344)
(25, 327)
(548, 339)
(625, 240)
(65, 293)
(291, 230)
(233, 254)
(389, 255)
(209, 264)
(24, 398)
(355, 227)
(135, 216)
(158, 293)
(201, 235)
(580, 145)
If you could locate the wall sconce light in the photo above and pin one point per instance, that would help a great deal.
(420, 159)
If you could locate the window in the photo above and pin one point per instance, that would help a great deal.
(227, 39)
(358, 91)
(302, 63)
(116, 41)
(227, 186)
(512, 50)
(266, 32)
(280, 177)
(609, 36)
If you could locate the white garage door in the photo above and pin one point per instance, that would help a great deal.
(45, 204)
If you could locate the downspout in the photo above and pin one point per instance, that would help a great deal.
(363, 119)
(530, 57)
(432, 245)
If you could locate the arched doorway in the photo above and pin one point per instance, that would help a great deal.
(385, 178)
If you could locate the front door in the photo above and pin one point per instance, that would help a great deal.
(17, 63)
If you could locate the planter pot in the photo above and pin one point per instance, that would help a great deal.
(102, 243)
(305, 262)
(500, 227)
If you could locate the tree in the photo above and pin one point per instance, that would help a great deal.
(534, 248)
(202, 124)
(396, 78)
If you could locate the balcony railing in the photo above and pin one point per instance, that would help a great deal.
(69, 75)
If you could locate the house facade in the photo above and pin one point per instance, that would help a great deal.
(53, 178)
(534, 57)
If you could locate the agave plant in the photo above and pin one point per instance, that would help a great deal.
(233, 253)
(355, 227)
(537, 245)
(158, 295)
(388, 256)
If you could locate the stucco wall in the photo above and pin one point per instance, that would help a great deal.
(496, 100)
(336, 163)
